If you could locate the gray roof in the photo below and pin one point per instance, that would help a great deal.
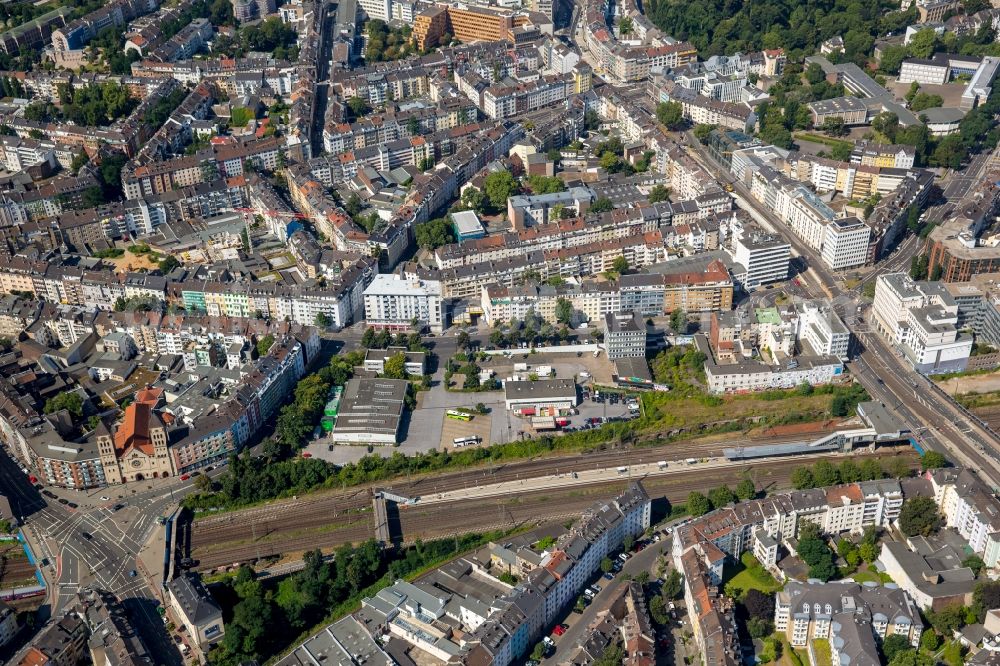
(543, 389)
(194, 598)
(943, 114)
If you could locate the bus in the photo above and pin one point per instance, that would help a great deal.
(465, 441)
(458, 416)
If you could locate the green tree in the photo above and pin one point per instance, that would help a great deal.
(702, 132)
(395, 366)
(893, 645)
(658, 611)
(658, 193)
(619, 264)
(802, 478)
(947, 620)
(919, 516)
(975, 563)
(474, 199)
(564, 310)
(834, 127)
(759, 628)
(673, 586)
(825, 474)
(721, 496)
(929, 640)
(435, 233)
(892, 59)
(167, 264)
(607, 565)
(933, 460)
(698, 504)
(601, 205)
(545, 184)
(985, 596)
(745, 489)
(499, 186)
(679, 321)
(925, 101)
(868, 552)
(886, 123)
(68, 400)
(670, 114)
(358, 107)
(264, 344)
(922, 44)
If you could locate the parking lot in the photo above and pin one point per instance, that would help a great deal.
(452, 429)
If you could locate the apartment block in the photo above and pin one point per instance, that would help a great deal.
(395, 302)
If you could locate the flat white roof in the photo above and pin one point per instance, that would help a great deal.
(392, 284)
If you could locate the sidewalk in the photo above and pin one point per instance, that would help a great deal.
(149, 561)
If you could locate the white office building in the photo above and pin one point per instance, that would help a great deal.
(393, 301)
(845, 243)
(765, 257)
(823, 329)
(920, 319)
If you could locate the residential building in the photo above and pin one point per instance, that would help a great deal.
(808, 611)
(9, 626)
(396, 302)
(193, 606)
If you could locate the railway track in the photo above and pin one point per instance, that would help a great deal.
(324, 505)
(317, 510)
(990, 414)
(231, 539)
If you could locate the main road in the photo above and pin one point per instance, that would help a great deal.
(92, 548)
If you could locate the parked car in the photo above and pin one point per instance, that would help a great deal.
(609, 576)
(558, 631)
(63, 500)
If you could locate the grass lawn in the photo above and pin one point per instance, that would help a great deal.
(866, 574)
(819, 138)
(750, 574)
(821, 649)
(669, 410)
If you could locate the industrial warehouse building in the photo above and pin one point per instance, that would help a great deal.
(541, 395)
(370, 412)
